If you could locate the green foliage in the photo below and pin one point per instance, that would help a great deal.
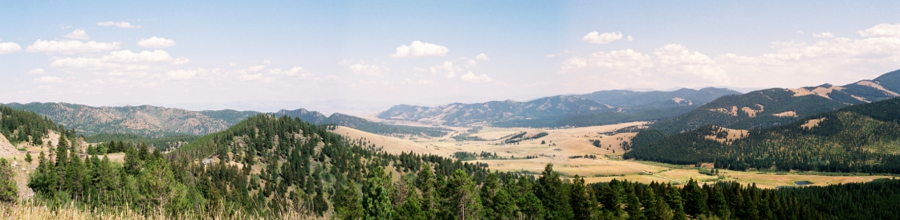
(9, 190)
(162, 143)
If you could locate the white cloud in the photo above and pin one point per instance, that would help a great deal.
(37, 71)
(799, 32)
(181, 74)
(47, 79)
(419, 82)
(471, 77)
(70, 46)
(267, 62)
(630, 38)
(882, 30)
(126, 56)
(120, 62)
(604, 38)
(9, 47)
(420, 49)
(117, 24)
(482, 57)
(823, 35)
(368, 69)
(447, 69)
(156, 42)
(677, 60)
(78, 34)
(256, 68)
(627, 61)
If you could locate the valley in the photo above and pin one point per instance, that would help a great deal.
(572, 142)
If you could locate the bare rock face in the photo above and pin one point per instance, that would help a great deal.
(6, 148)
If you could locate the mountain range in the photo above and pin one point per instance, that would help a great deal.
(602, 107)
(777, 106)
(155, 121)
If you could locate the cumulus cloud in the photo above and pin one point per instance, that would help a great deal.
(677, 60)
(471, 77)
(823, 35)
(630, 38)
(120, 62)
(882, 30)
(447, 69)
(419, 82)
(47, 79)
(628, 61)
(368, 69)
(125, 56)
(78, 34)
(482, 56)
(181, 74)
(9, 47)
(156, 42)
(70, 46)
(604, 38)
(37, 71)
(121, 24)
(420, 49)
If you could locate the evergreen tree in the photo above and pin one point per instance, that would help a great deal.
(348, 204)
(580, 200)
(695, 201)
(463, 197)
(553, 195)
(9, 191)
(634, 208)
(376, 197)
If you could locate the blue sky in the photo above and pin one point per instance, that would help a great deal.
(364, 56)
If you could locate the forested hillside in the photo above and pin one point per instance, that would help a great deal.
(774, 107)
(23, 126)
(859, 138)
(268, 167)
(363, 124)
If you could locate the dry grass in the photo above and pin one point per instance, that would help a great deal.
(27, 210)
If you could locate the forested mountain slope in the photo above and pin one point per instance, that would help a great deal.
(106, 123)
(603, 107)
(17, 126)
(773, 107)
(859, 138)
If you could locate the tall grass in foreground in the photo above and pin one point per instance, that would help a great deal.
(29, 210)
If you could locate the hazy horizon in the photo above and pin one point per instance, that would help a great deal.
(360, 57)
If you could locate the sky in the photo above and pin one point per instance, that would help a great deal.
(361, 57)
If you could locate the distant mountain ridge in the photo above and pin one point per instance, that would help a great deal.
(556, 111)
(155, 121)
(777, 106)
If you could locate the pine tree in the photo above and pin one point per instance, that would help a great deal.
(718, 205)
(553, 195)
(28, 157)
(376, 197)
(580, 200)
(463, 198)
(9, 191)
(695, 201)
(634, 206)
(348, 204)
(430, 196)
